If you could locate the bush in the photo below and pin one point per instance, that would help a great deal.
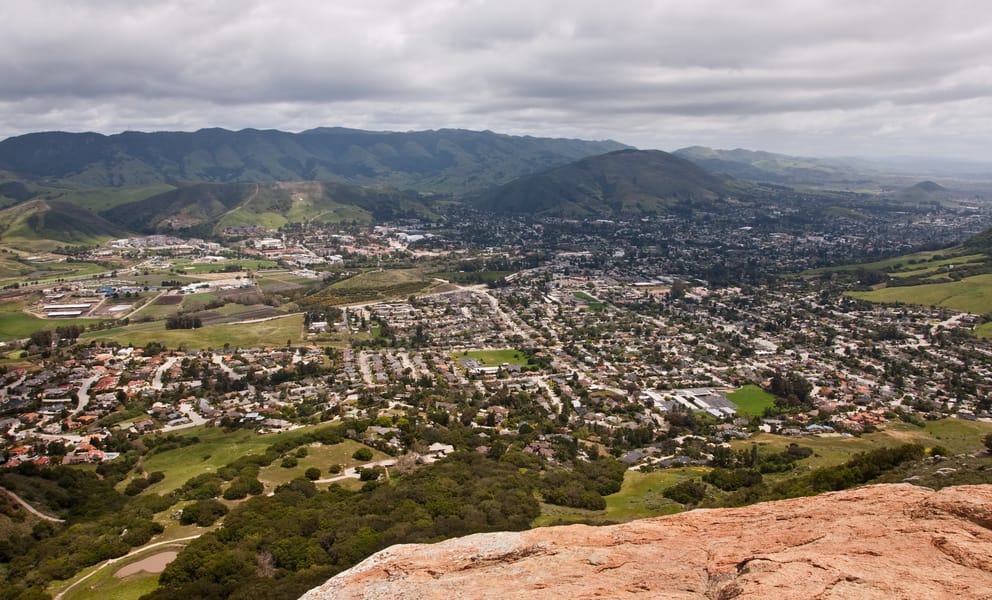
(289, 462)
(313, 474)
(203, 512)
(686, 492)
(362, 454)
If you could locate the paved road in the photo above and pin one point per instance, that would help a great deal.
(159, 372)
(84, 392)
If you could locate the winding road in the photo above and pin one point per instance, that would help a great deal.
(30, 508)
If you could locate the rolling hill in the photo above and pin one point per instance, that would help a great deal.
(45, 224)
(766, 167)
(626, 182)
(445, 160)
(210, 207)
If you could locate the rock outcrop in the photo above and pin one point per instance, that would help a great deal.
(884, 541)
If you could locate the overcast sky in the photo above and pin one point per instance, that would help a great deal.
(831, 77)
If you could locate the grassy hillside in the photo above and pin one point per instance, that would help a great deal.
(443, 160)
(627, 182)
(373, 286)
(971, 294)
(39, 225)
(772, 168)
(210, 207)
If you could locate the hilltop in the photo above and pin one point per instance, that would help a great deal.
(885, 541)
(212, 206)
(44, 224)
(626, 182)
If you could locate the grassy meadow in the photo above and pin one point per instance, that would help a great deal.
(751, 400)
(274, 332)
(971, 294)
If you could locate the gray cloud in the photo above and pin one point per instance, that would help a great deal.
(803, 76)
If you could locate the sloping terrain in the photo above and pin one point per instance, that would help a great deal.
(210, 207)
(884, 541)
(626, 182)
(442, 160)
(40, 224)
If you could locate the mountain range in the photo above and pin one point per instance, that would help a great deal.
(78, 188)
(447, 160)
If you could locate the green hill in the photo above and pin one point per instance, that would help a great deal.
(768, 167)
(447, 160)
(626, 182)
(45, 224)
(210, 207)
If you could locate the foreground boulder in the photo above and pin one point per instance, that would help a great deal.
(883, 541)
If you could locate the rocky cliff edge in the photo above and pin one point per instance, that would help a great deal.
(883, 541)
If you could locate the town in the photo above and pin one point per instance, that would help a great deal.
(605, 333)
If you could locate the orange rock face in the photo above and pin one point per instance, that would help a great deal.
(884, 541)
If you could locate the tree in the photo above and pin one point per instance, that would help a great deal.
(988, 442)
(313, 473)
(362, 454)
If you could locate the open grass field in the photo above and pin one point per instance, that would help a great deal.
(494, 358)
(984, 330)
(751, 400)
(641, 494)
(373, 286)
(321, 457)
(104, 582)
(591, 302)
(957, 435)
(273, 332)
(639, 497)
(190, 268)
(972, 294)
(15, 324)
(215, 449)
(929, 260)
(23, 271)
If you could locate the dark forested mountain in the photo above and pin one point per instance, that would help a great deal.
(626, 182)
(447, 160)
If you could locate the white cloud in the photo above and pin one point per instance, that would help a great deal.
(830, 77)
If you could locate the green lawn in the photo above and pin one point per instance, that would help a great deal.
(640, 497)
(372, 286)
(217, 448)
(972, 294)
(273, 332)
(957, 435)
(590, 301)
(322, 457)
(494, 358)
(909, 262)
(15, 324)
(751, 400)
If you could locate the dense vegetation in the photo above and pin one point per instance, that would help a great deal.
(282, 545)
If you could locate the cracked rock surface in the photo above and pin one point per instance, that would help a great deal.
(883, 541)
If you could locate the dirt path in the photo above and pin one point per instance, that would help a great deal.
(30, 508)
(111, 561)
